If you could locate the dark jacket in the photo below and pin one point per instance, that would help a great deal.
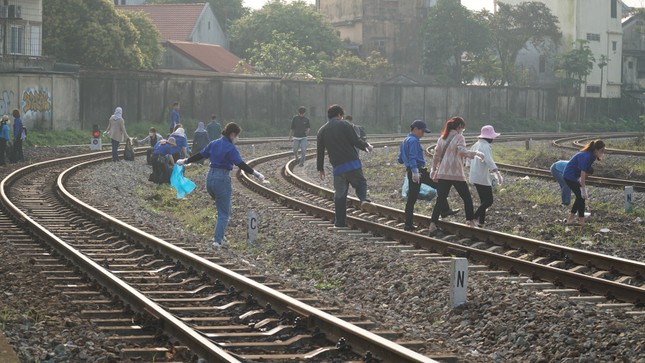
(339, 139)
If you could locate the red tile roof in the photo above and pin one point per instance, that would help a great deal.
(174, 21)
(212, 56)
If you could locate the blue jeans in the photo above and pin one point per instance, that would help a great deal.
(115, 150)
(341, 186)
(565, 191)
(301, 145)
(218, 185)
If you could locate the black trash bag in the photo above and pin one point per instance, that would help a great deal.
(128, 152)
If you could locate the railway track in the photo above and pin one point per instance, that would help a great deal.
(167, 300)
(597, 277)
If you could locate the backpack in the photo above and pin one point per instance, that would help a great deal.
(128, 152)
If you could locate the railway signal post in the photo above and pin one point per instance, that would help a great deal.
(95, 141)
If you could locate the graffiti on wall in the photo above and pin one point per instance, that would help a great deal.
(6, 100)
(37, 105)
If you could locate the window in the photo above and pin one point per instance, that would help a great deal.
(593, 89)
(17, 39)
(542, 63)
(35, 41)
(630, 65)
(614, 9)
(593, 37)
(614, 45)
(209, 25)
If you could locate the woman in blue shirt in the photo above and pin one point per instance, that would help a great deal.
(223, 156)
(575, 175)
(4, 138)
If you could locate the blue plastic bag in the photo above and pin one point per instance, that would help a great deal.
(426, 192)
(178, 181)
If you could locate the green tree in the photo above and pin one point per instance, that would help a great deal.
(95, 36)
(484, 66)
(346, 65)
(310, 29)
(226, 11)
(148, 39)
(574, 66)
(281, 57)
(514, 26)
(451, 31)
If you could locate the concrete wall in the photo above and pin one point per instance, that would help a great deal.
(54, 101)
(33, 94)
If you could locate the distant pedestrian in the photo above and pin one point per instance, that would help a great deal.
(19, 135)
(116, 131)
(298, 133)
(214, 129)
(575, 175)
(162, 161)
(152, 139)
(174, 116)
(448, 170)
(411, 155)
(480, 172)
(4, 138)
(183, 151)
(200, 139)
(223, 156)
(337, 136)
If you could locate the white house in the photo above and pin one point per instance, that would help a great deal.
(598, 22)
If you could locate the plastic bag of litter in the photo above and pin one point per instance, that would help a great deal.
(182, 184)
(426, 192)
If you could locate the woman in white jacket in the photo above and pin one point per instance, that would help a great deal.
(480, 172)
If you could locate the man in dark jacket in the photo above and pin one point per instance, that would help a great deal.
(337, 136)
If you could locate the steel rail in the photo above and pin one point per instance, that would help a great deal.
(139, 302)
(558, 276)
(361, 340)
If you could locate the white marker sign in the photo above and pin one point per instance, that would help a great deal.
(252, 231)
(458, 281)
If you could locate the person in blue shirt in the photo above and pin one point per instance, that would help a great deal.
(575, 176)
(411, 155)
(17, 137)
(223, 156)
(4, 138)
(162, 160)
(174, 116)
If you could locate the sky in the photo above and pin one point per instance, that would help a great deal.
(470, 4)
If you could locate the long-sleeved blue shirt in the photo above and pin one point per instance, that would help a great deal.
(174, 118)
(4, 132)
(17, 128)
(411, 153)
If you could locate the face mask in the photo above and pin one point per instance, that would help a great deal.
(151, 134)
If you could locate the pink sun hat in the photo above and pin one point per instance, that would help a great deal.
(488, 132)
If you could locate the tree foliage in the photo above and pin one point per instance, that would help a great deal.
(226, 11)
(347, 65)
(148, 38)
(309, 29)
(281, 57)
(574, 66)
(97, 35)
(450, 32)
(513, 26)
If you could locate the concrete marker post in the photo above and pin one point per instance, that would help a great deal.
(458, 281)
(629, 193)
(252, 231)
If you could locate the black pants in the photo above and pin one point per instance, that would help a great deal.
(442, 198)
(485, 201)
(17, 150)
(3, 149)
(413, 192)
(580, 204)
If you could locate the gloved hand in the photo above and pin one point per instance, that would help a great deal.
(415, 175)
(258, 175)
(181, 162)
(479, 155)
(369, 148)
(499, 178)
(105, 133)
(585, 195)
